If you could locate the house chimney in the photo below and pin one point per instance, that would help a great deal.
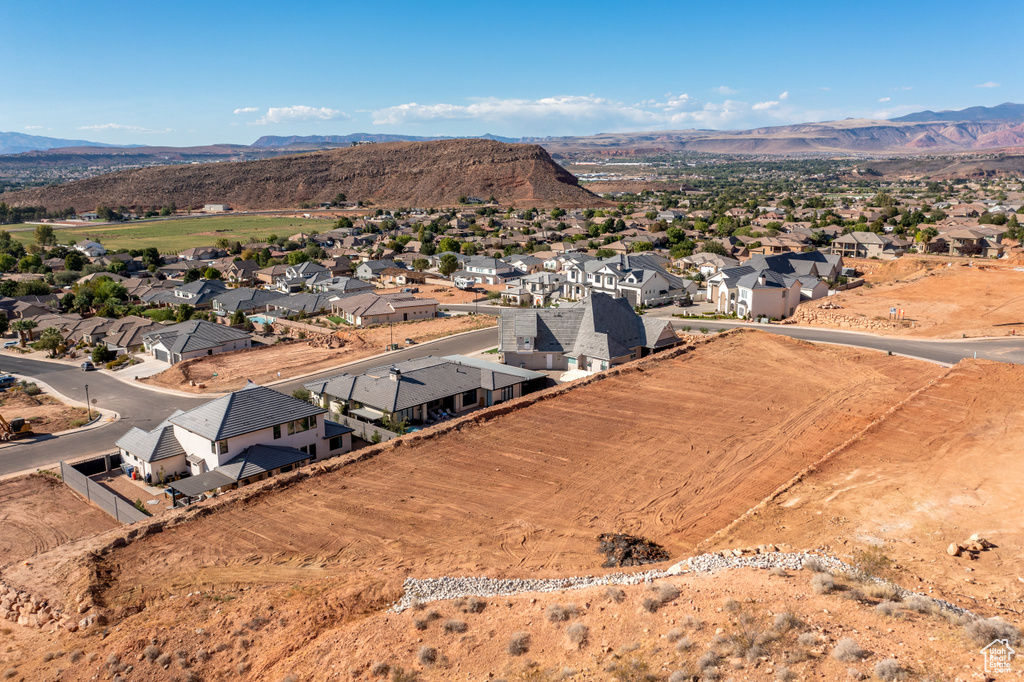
(395, 373)
(761, 279)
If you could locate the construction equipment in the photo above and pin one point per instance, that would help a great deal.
(14, 429)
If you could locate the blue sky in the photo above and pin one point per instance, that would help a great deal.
(191, 73)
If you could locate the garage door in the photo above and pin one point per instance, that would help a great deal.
(161, 355)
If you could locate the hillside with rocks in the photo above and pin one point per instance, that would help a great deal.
(395, 174)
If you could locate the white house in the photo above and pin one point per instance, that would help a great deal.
(194, 339)
(90, 248)
(752, 293)
(239, 438)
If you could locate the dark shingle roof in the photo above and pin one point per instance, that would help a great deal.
(244, 411)
(195, 335)
(152, 446)
(259, 459)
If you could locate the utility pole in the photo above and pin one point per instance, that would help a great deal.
(88, 405)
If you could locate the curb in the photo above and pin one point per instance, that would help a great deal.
(103, 418)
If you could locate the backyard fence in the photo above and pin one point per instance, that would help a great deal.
(363, 429)
(110, 502)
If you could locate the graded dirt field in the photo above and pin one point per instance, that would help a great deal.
(942, 467)
(230, 371)
(447, 295)
(38, 513)
(47, 414)
(942, 298)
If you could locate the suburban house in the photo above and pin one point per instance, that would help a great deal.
(241, 271)
(308, 304)
(752, 292)
(823, 265)
(865, 245)
(237, 439)
(201, 253)
(707, 263)
(598, 333)
(363, 310)
(538, 289)
(639, 278)
(194, 339)
(198, 294)
(483, 270)
(969, 242)
(121, 335)
(90, 248)
(245, 299)
(424, 390)
(371, 269)
(342, 286)
(401, 277)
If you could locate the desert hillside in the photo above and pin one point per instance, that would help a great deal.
(393, 174)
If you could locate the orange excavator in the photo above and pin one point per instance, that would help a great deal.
(14, 429)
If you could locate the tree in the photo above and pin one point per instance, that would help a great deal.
(637, 247)
(211, 273)
(4, 325)
(192, 274)
(297, 257)
(339, 198)
(45, 235)
(184, 313)
(604, 253)
(448, 244)
(150, 256)
(102, 355)
(238, 317)
(50, 340)
(74, 261)
(117, 267)
(449, 264)
(24, 328)
(420, 264)
(7, 262)
(469, 249)
(711, 246)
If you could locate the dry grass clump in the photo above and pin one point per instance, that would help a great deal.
(693, 623)
(889, 609)
(684, 644)
(475, 605)
(667, 592)
(674, 635)
(634, 669)
(680, 676)
(749, 639)
(519, 644)
(10, 673)
(823, 583)
(163, 660)
(380, 669)
(151, 652)
(651, 604)
(779, 571)
(50, 655)
(885, 591)
(559, 613)
(814, 565)
(984, 630)
(578, 633)
(419, 623)
(202, 655)
(615, 594)
(707, 663)
(731, 604)
(889, 670)
(453, 626)
(784, 674)
(847, 651)
(427, 655)
(807, 639)
(75, 655)
(919, 604)
(784, 622)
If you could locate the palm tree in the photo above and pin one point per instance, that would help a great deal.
(24, 327)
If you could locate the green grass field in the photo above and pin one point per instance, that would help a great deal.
(173, 236)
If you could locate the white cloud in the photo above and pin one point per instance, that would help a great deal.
(300, 113)
(990, 84)
(785, 95)
(121, 126)
(247, 110)
(825, 87)
(907, 87)
(884, 99)
(725, 90)
(765, 106)
(34, 128)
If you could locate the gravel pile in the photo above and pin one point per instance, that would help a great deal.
(439, 589)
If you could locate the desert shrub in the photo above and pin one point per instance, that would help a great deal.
(815, 565)
(748, 639)
(519, 643)
(855, 674)
(151, 652)
(780, 572)
(190, 676)
(113, 660)
(822, 583)
(693, 623)
(667, 592)
(380, 669)
(784, 622)
(558, 613)
(614, 594)
(578, 634)
(75, 655)
(884, 590)
(419, 624)
(10, 673)
(432, 614)
(242, 667)
(873, 561)
(400, 675)
(708, 659)
(475, 605)
(807, 639)
(634, 669)
(889, 609)
(50, 655)
(796, 656)
(427, 655)
(784, 674)
(650, 604)
(454, 626)
(984, 630)
(684, 644)
(416, 605)
(854, 594)
(91, 657)
(202, 655)
(182, 657)
(244, 643)
(680, 676)
(221, 647)
(731, 604)
(889, 670)
(163, 660)
(674, 635)
(919, 604)
(847, 650)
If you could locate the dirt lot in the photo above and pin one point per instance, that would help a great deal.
(941, 297)
(445, 295)
(230, 371)
(38, 513)
(47, 414)
(941, 468)
(713, 433)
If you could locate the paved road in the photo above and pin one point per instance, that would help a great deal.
(146, 408)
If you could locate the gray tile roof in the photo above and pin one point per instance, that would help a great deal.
(250, 409)
(244, 298)
(154, 445)
(421, 381)
(305, 303)
(259, 459)
(194, 486)
(334, 429)
(194, 335)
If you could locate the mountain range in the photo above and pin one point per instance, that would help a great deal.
(16, 143)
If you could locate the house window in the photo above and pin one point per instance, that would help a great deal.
(336, 443)
(218, 447)
(300, 425)
(277, 432)
(469, 398)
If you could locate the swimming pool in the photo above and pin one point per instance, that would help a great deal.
(263, 319)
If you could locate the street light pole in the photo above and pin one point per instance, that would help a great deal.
(88, 405)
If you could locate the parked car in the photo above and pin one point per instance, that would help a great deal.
(409, 342)
(10, 344)
(88, 366)
(6, 381)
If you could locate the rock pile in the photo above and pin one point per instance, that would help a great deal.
(805, 315)
(27, 611)
(971, 548)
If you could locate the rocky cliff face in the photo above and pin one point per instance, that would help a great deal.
(394, 174)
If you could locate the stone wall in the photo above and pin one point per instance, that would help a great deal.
(832, 317)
